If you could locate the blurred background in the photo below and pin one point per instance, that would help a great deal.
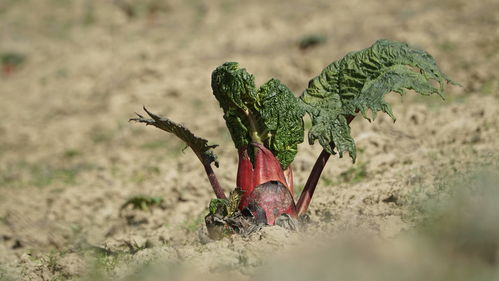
(86, 195)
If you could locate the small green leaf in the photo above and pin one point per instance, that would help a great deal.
(199, 145)
(142, 202)
(226, 207)
(312, 40)
(218, 206)
(12, 58)
(233, 201)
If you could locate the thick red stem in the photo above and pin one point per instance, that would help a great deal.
(313, 178)
(267, 167)
(244, 177)
(265, 187)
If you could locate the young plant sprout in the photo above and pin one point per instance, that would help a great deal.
(266, 126)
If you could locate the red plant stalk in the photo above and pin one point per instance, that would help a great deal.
(313, 178)
(244, 177)
(265, 185)
(214, 181)
(253, 182)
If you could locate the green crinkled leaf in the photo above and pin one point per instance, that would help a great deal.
(199, 145)
(235, 89)
(393, 79)
(270, 115)
(358, 83)
(226, 207)
(283, 119)
(336, 129)
(218, 206)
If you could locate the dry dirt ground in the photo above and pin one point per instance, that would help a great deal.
(419, 204)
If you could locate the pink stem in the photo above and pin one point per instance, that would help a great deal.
(214, 181)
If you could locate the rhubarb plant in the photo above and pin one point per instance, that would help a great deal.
(266, 126)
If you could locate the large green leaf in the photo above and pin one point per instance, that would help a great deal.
(198, 145)
(270, 115)
(358, 83)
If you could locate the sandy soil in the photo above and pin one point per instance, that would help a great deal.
(69, 160)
